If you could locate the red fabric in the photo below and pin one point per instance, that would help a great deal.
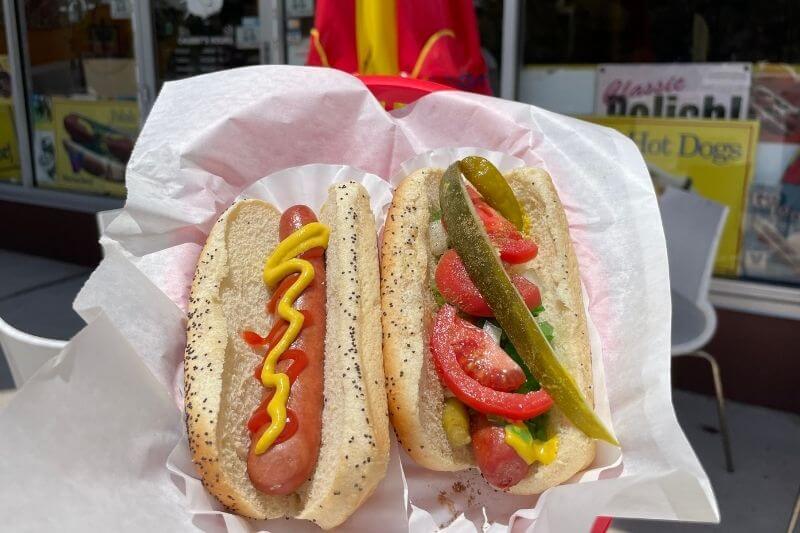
(335, 20)
(394, 90)
(452, 61)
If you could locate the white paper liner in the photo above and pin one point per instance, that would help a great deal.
(209, 138)
(84, 443)
(307, 184)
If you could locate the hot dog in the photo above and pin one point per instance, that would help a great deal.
(287, 465)
(485, 348)
(497, 461)
(282, 307)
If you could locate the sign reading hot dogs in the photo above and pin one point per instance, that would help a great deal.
(677, 90)
(713, 158)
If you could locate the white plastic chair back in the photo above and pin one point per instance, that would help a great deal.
(25, 353)
(692, 227)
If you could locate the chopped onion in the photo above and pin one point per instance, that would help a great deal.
(520, 269)
(438, 238)
(531, 275)
(494, 331)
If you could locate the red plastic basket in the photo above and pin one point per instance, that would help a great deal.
(602, 524)
(394, 92)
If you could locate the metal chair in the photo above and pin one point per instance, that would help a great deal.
(795, 514)
(692, 227)
(25, 353)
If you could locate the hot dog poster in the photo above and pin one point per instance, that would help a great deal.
(9, 150)
(93, 142)
(772, 228)
(714, 158)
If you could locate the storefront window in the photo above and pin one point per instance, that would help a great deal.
(709, 92)
(489, 14)
(9, 148)
(299, 21)
(197, 37)
(84, 108)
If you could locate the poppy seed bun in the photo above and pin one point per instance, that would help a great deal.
(228, 296)
(416, 396)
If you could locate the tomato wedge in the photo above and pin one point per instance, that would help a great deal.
(514, 247)
(484, 361)
(457, 288)
(448, 334)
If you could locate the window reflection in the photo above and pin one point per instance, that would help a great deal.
(83, 101)
(196, 37)
(712, 58)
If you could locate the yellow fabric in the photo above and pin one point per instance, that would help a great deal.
(427, 49)
(376, 36)
(323, 57)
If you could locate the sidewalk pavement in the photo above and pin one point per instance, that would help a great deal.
(36, 296)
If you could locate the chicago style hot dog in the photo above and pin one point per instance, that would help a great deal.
(486, 351)
(285, 402)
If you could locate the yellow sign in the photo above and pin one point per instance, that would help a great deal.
(9, 151)
(714, 158)
(93, 142)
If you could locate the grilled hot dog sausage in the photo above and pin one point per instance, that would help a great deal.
(288, 463)
(500, 465)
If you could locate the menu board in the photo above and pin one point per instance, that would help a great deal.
(772, 228)
(713, 158)
(195, 53)
(199, 54)
(93, 141)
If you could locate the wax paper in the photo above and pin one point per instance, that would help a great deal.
(97, 433)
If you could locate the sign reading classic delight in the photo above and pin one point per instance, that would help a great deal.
(673, 90)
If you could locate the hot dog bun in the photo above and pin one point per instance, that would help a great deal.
(416, 396)
(228, 296)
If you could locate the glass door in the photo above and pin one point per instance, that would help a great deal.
(490, 26)
(84, 110)
(297, 30)
(201, 36)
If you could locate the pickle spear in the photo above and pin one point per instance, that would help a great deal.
(455, 421)
(469, 238)
(493, 187)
